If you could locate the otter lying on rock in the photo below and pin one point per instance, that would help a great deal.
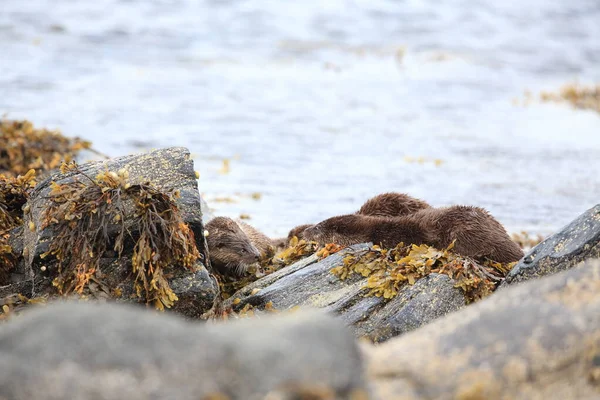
(390, 204)
(476, 232)
(234, 245)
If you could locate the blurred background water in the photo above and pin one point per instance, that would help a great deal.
(319, 105)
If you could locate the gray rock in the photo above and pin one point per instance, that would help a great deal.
(429, 298)
(92, 351)
(309, 282)
(170, 168)
(538, 340)
(578, 241)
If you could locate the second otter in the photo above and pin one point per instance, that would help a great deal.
(476, 232)
(391, 204)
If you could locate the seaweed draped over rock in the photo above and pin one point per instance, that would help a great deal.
(388, 270)
(25, 148)
(87, 217)
(13, 196)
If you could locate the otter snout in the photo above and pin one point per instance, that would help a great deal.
(250, 254)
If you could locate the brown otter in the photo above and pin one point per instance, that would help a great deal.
(351, 229)
(231, 251)
(262, 242)
(298, 232)
(476, 232)
(392, 205)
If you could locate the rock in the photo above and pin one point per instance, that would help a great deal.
(578, 241)
(166, 169)
(106, 351)
(309, 282)
(538, 340)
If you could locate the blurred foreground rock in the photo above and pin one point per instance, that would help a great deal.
(578, 241)
(165, 169)
(539, 340)
(309, 282)
(105, 351)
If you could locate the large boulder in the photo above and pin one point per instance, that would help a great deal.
(578, 241)
(95, 351)
(170, 168)
(538, 340)
(310, 283)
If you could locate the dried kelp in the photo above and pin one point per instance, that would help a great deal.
(583, 97)
(388, 270)
(24, 148)
(84, 211)
(13, 196)
(296, 250)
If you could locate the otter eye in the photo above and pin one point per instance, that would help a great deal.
(220, 245)
(244, 251)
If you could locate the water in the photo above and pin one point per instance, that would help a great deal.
(321, 105)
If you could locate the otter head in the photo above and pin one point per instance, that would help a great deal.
(298, 232)
(231, 251)
(343, 230)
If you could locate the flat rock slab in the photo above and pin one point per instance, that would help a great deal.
(538, 340)
(310, 283)
(105, 351)
(578, 241)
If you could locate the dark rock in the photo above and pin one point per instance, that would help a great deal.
(538, 340)
(170, 168)
(309, 282)
(428, 299)
(576, 242)
(92, 351)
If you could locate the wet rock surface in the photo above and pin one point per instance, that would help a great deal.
(578, 241)
(538, 340)
(170, 168)
(309, 282)
(137, 354)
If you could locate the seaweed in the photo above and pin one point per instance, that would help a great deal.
(296, 250)
(388, 270)
(581, 97)
(83, 212)
(25, 148)
(14, 193)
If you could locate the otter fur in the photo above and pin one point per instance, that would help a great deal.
(346, 230)
(262, 242)
(476, 232)
(230, 250)
(392, 205)
(298, 232)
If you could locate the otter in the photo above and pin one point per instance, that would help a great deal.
(477, 233)
(392, 205)
(230, 250)
(262, 242)
(298, 232)
(350, 229)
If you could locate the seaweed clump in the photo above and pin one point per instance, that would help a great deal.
(388, 270)
(83, 212)
(579, 96)
(25, 148)
(296, 250)
(14, 193)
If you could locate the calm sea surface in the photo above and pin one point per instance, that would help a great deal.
(319, 105)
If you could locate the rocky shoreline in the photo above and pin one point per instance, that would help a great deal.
(533, 339)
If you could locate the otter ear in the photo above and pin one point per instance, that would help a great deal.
(220, 245)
